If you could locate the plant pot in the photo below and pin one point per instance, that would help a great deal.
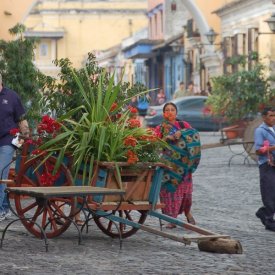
(232, 132)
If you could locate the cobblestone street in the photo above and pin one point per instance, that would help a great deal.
(225, 199)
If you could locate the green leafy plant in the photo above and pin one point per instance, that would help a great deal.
(62, 94)
(102, 128)
(18, 71)
(241, 94)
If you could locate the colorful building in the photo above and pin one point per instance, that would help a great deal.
(71, 29)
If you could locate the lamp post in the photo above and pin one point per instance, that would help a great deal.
(211, 35)
(271, 22)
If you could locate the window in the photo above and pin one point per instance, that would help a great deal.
(192, 105)
(43, 49)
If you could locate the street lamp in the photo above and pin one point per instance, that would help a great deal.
(211, 35)
(271, 22)
(176, 46)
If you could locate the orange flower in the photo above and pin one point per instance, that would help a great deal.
(113, 107)
(169, 116)
(132, 157)
(134, 123)
(151, 138)
(130, 141)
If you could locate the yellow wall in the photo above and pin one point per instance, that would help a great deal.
(86, 32)
(207, 7)
(11, 13)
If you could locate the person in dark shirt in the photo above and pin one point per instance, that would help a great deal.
(11, 116)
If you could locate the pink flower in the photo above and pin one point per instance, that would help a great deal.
(265, 148)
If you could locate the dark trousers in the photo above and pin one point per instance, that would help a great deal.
(267, 186)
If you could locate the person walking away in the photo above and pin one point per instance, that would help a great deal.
(208, 88)
(177, 186)
(11, 116)
(161, 98)
(264, 138)
(142, 106)
(190, 88)
(180, 92)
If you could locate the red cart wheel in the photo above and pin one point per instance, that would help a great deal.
(108, 227)
(43, 212)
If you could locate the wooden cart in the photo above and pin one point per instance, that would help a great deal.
(116, 217)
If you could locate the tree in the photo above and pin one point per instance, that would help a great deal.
(63, 94)
(241, 94)
(19, 72)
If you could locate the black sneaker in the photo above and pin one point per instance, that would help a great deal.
(259, 214)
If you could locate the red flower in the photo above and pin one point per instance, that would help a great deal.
(133, 110)
(14, 131)
(207, 110)
(29, 141)
(47, 178)
(132, 157)
(134, 123)
(130, 141)
(118, 116)
(113, 107)
(48, 125)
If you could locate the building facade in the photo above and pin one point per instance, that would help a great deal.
(245, 30)
(11, 13)
(71, 29)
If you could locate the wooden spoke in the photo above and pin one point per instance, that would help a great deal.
(108, 227)
(31, 211)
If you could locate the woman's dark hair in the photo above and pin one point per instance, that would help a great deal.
(169, 103)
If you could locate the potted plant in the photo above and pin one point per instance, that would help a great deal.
(240, 95)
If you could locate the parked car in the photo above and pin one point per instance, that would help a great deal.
(190, 109)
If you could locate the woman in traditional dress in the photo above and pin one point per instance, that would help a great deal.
(177, 186)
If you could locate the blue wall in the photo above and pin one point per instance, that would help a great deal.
(173, 72)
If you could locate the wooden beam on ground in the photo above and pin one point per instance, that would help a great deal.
(221, 245)
(212, 145)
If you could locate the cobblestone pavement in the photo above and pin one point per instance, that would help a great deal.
(225, 201)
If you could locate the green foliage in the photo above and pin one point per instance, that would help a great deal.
(63, 94)
(97, 129)
(238, 95)
(19, 72)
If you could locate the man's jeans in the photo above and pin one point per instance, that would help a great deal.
(6, 154)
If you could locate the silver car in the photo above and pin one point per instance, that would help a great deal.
(190, 109)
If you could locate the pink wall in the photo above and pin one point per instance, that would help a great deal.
(154, 3)
(155, 20)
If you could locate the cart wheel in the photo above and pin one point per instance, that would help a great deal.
(108, 227)
(46, 213)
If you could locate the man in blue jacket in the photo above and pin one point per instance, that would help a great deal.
(11, 116)
(264, 138)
